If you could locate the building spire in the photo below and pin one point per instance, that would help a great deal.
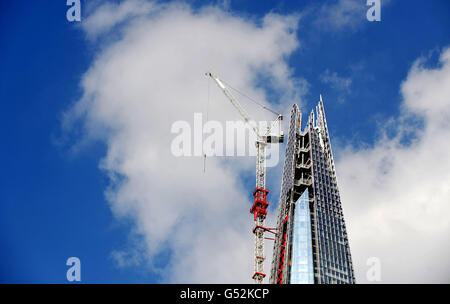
(309, 194)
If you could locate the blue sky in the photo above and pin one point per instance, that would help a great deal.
(52, 198)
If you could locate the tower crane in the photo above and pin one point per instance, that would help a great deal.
(259, 207)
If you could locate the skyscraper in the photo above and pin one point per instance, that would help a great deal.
(311, 245)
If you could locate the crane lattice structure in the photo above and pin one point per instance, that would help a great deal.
(259, 208)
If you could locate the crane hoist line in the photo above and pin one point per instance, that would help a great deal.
(259, 207)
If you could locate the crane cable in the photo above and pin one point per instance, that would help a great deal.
(258, 103)
(241, 93)
(253, 100)
(207, 112)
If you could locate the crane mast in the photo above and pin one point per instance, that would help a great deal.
(259, 207)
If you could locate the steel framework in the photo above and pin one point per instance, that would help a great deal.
(312, 244)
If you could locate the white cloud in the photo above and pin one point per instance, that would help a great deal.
(345, 15)
(342, 14)
(335, 81)
(106, 16)
(146, 78)
(396, 195)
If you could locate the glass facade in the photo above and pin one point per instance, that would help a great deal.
(302, 256)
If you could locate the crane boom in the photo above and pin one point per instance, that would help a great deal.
(259, 208)
(235, 103)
